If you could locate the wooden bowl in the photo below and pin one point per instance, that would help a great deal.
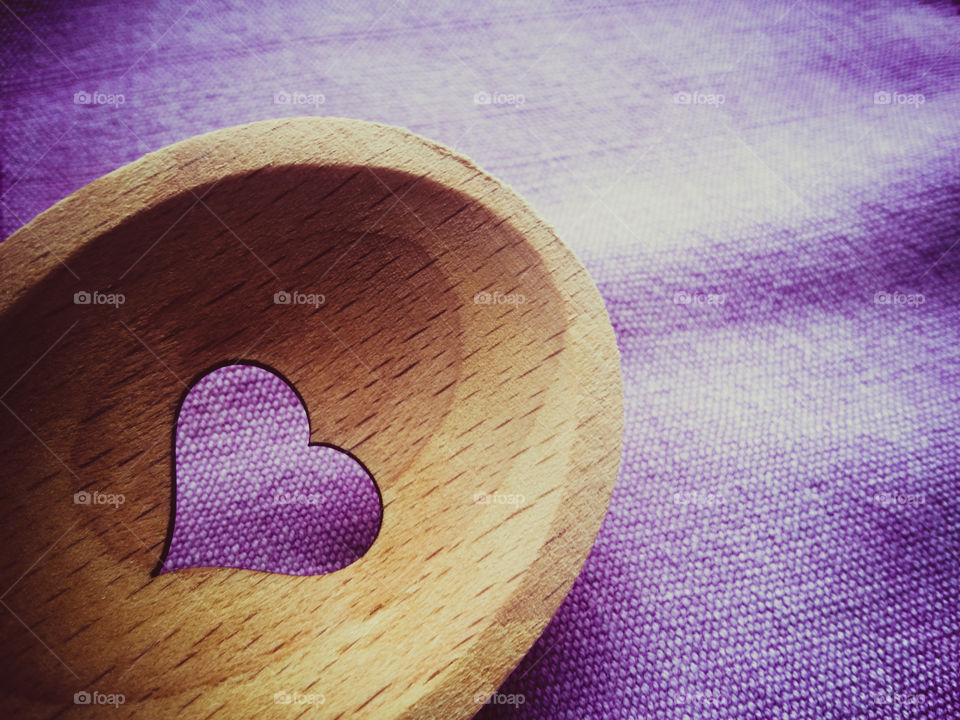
(416, 364)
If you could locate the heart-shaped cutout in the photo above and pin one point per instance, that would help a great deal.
(252, 493)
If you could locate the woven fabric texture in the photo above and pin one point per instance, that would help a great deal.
(766, 194)
(252, 493)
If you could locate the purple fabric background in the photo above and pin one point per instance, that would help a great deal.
(783, 539)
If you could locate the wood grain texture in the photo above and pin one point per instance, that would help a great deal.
(442, 397)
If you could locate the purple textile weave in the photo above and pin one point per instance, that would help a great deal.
(252, 493)
(767, 195)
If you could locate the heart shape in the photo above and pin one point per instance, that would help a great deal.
(251, 493)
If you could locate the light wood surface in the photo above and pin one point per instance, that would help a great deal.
(444, 397)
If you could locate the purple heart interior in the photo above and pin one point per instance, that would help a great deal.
(253, 493)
